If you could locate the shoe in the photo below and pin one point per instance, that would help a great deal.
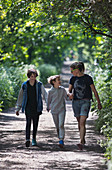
(27, 143)
(34, 143)
(80, 146)
(61, 144)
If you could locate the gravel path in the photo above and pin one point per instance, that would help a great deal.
(47, 155)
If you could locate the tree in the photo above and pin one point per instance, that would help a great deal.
(95, 16)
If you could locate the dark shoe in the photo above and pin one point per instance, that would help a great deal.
(80, 146)
(27, 143)
(34, 143)
(61, 144)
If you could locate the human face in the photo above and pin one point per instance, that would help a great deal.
(33, 77)
(57, 82)
(74, 71)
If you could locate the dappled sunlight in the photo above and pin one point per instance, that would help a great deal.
(47, 154)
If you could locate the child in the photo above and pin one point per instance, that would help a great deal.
(82, 85)
(56, 103)
(30, 100)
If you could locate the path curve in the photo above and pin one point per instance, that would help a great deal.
(47, 155)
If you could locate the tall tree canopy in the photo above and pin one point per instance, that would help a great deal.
(94, 15)
(41, 30)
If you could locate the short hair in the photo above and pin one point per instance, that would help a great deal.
(78, 65)
(31, 71)
(53, 78)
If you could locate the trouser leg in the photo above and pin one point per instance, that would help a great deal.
(28, 127)
(56, 122)
(61, 125)
(35, 125)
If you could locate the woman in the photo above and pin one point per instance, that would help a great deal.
(82, 86)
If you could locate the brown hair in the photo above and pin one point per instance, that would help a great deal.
(31, 71)
(52, 78)
(78, 65)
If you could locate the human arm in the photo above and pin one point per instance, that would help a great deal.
(48, 101)
(19, 102)
(70, 94)
(44, 93)
(96, 95)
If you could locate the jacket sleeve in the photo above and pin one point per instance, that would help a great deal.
(19, 100)
(44, 93)
(48, 101)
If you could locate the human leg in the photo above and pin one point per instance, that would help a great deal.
(76, 110)
(56, 122)
(82, 129)
(85, 107)
(81, 110)
(61, 125)
(78, 120)
(61, 129)
(28, 127)
(35, 126)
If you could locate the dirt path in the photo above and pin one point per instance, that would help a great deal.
(47, 155)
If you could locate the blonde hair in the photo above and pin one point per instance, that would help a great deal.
(52, 78)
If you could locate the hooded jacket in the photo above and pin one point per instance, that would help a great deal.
(22, 97)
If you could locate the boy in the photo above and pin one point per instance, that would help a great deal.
(30, 100)
(56, 103)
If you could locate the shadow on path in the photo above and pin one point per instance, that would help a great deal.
(47, 155)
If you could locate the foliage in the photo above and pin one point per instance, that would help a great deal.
(47, 70)
(45, 31)
(109, 149)
(103, 84)
(24, 24)
(40, 32)
(94, 15)
(1, 106)
(10, 83)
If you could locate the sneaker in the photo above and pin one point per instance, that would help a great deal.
(34, 143)
(61, 143)
(80, 146)
(27, 143)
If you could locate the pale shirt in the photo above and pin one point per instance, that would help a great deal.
(56, 99)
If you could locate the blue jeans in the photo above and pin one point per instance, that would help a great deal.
(59, 123)
(35, 119)
(81, 107)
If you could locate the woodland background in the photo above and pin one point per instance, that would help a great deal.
(43, 34)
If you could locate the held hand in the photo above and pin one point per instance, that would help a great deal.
(99, 106)
(47, 109)
(17, 113)
(70, 96)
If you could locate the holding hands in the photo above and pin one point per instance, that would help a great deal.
(70, 96)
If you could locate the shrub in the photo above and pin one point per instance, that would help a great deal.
(104, 122)
(10, 83)
(47, 70)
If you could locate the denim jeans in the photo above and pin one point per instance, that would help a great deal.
(35, 119)
(81, 107)
(59, 123)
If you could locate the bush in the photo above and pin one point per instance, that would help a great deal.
(109, 150)
(104, 122)
(47, 70)
(1, 106)
(10, 83)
